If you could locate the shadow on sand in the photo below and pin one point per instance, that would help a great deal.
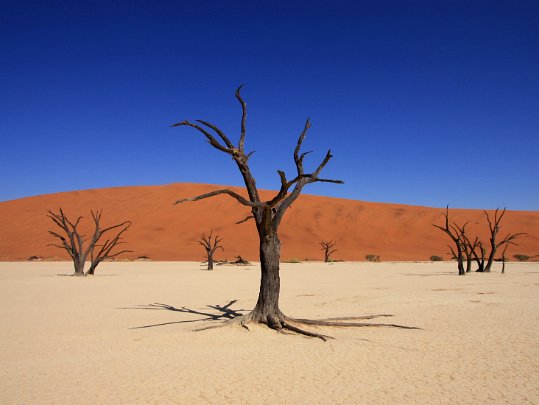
(442, 273)
(221, 312)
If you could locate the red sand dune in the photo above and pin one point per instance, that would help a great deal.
(164, 231)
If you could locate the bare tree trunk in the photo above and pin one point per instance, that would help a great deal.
(460, 260)
(480, 260)
(210, 260)
(490, 259)
(468, 262)
(267, 306)
(480, 265)
(91, 270)
(79, 267)
(503, 258)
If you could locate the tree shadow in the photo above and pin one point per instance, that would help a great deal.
(223, 312)
(442, 273)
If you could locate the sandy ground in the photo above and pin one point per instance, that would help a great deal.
(66, 340)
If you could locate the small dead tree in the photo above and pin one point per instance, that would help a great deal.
(494, 228)
(211, 246)
(241, 261)
(74, 243)
(452, 230)
(267, 216)
(327, 247)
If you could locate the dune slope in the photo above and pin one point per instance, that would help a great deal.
(164, 231)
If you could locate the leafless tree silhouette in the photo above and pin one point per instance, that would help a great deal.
(453, 231)
(210, 246)
(74, 243)
(494, 228)
(267, 216)
(327, 247)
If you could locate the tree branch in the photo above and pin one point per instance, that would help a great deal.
(241, 143)
(231, 193)
(299, 159)
(219, 132)
(245, 219)
(211, 139)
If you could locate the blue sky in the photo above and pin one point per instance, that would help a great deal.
(422, 102)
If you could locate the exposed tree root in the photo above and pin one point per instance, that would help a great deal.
(355, 318)
(300, 331)
(322, 322)
(283, 324)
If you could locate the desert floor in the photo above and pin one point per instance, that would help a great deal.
(98, 340)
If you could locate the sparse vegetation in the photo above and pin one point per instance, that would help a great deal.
(521, 257)
(475, 250)
(241, 261)
(372, 258)
(293, 260)
(435, 258)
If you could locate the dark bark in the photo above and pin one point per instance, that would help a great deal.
(210, 246)
(466, 249)
(100, 252)
(473, 248)
(74, 243)
(494, 228)
(267, 306)
(327, 247)
(503, 258)
(481, 259)
(79, 267)
(456, 235)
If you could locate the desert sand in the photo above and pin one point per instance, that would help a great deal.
(163, 231)
(98, 340)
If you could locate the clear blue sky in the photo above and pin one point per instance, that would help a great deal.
(422, 102)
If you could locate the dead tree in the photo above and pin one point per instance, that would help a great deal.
(267, 216)
(466, 250)
(477, 251)
(241, 261)
(327, 248)
(494, 228)
(74, 243)
(210, 246)
(452, 230)
(103, 251)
